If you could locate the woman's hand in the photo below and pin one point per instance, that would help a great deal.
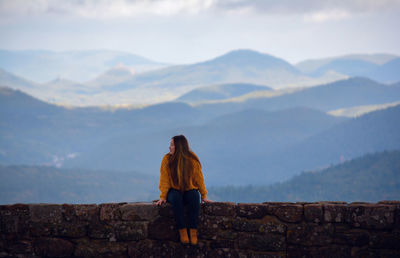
(161, 201)
(205, 200)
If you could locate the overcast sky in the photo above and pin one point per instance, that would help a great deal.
(187, 31)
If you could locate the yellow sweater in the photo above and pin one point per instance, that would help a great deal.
(196, 180)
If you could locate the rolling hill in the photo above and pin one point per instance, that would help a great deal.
(373, 132)
(240, 66)
(370, 178)
(226, 144)
(44, 184)
(273, 145)
(383, 68)
(36, 132)
(118, 78)
(388, 72)
(10, 80)
(219, 92)
(341, 94)
(308, 66)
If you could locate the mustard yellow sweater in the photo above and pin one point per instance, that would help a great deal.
(196, 180)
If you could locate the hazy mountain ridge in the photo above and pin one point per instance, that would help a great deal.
(308, 66)
(136, 138)
(42, 65)
(374, 132)
(164, 84)
(115, 78)
(341, 94)
(361, 110)
(371, 178)
(221, 91)
(382, 68)
(44, 184)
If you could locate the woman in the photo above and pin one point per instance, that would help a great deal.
(181, 180)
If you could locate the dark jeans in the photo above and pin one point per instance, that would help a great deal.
(178, 200)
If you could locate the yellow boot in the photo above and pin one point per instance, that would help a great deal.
(193, 236)
(184, 236)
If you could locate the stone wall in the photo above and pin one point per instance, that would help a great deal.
(324, 229)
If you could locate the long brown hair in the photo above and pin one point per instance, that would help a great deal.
(180, 162)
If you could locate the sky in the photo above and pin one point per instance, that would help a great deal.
(189, 31)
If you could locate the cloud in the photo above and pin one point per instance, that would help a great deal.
(103, 8)
(313, 10)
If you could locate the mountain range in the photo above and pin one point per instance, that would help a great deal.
(372, 177)
(255, 136)
(340, 94)
(115, 78)
(252, 118)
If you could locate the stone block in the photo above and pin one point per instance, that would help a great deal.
(53, 247)
(19, 247)
(110, 211)
(397, 217)
(71, 230)
(223, 252)
(227, 209)
(226, 234)
(313, 212)
(209, 226)
(310, 234)
(269, 224)
(261, 242)
(371, 216)
(332, 251)
(48, 220)
(46, 213)
(14, 220)
(251, 210)
(345, 235)
(361, 252)
(222, 243)
(56, 220)
(335, 212)
(80, 212)
(100, 248)
(130, 230)
(139, 211)
(98, 230)
(287, 212)
(245, 225)
(153, 248)
(385, 240)
(165, 210)
(62, 229)
(163, 228)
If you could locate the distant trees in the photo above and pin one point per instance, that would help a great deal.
(371, 178)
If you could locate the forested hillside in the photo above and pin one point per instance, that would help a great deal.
(370, 178)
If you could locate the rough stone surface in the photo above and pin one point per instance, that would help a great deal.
(138, 211)
(262, 242)
(372, 216)
(313, 213)
(323, 229)
(251, 210)
(335, 212)
(53, 247)
(309, 234)
(287, 212)
(219, 209)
